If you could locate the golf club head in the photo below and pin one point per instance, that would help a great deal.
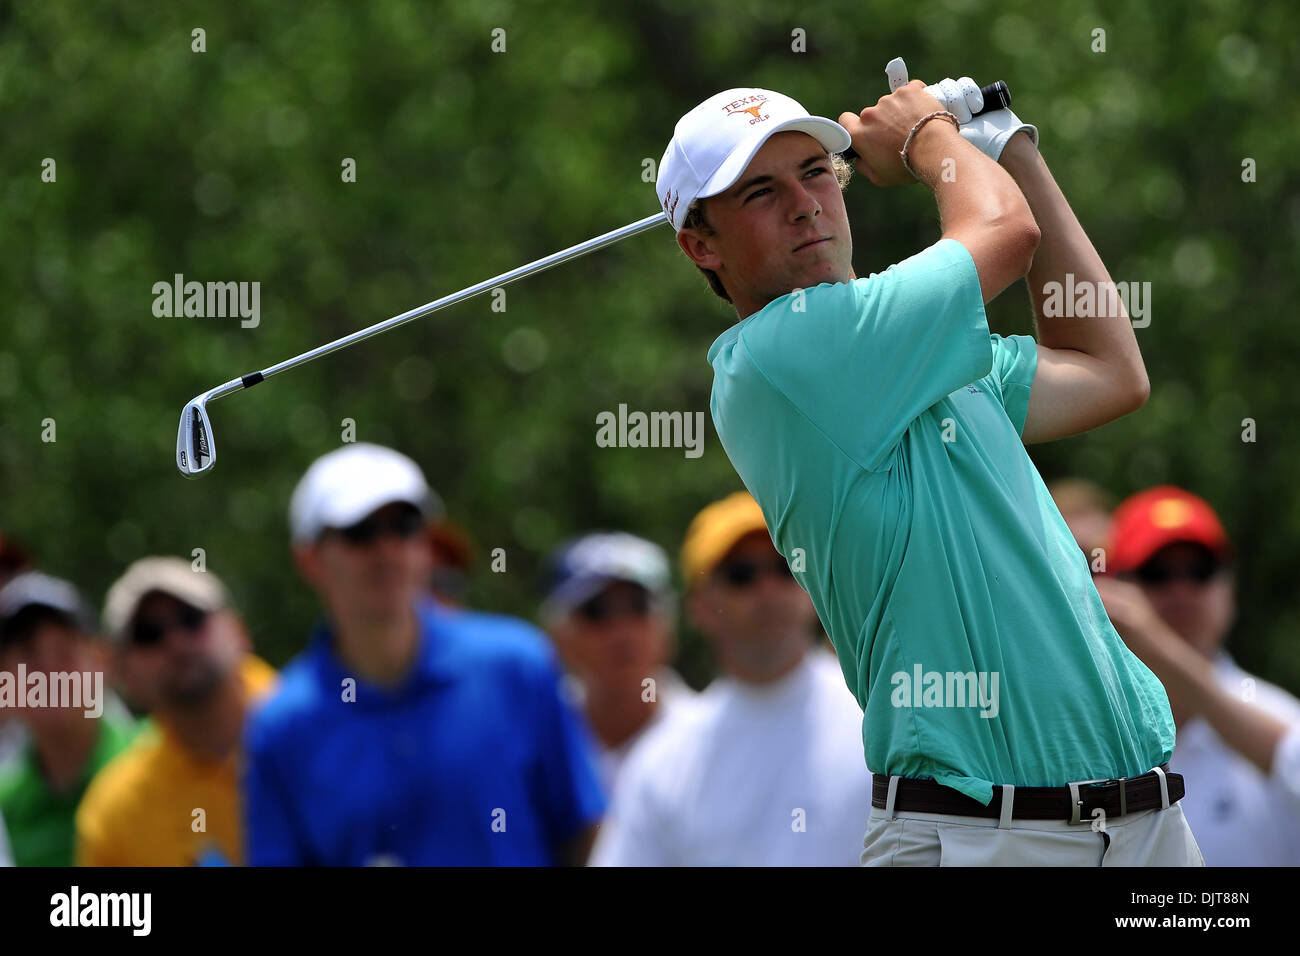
(195, 452)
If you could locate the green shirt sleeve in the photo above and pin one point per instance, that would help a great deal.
(862, 359)
(1015, 360)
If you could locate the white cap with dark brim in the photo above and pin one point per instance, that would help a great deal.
(34, 589)
(175, 577)
(714, 143)
(345, 485)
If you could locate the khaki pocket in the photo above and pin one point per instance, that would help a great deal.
(993, 846)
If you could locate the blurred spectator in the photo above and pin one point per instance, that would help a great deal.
(13, 735)
(453, 557)
(409, 733)
(45, 627)
(181, 652)
(1238, 736)
(609, 608)
(766, 768)
(1086, 509)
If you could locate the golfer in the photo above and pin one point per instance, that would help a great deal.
(881, 427)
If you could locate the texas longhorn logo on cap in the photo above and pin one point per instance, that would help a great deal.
(748, 104)
(670, 202)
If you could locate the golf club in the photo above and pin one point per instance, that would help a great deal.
(196, 450)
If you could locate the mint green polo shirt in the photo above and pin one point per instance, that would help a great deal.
(877, 423)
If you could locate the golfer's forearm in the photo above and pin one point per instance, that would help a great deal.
(980, 206)
(1103, 330)
(1190, 677)
(970, 189)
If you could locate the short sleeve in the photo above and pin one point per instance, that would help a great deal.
(1015, 359)
(270, 837)
(570, 797)
(862, 359)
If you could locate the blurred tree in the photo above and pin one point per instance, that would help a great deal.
(228, 165)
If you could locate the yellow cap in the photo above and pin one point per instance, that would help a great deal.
(715, 531)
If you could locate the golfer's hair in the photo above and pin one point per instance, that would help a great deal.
(695, 219)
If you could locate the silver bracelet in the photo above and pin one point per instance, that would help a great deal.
(919, 123)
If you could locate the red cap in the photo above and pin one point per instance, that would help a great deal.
(1152, 519)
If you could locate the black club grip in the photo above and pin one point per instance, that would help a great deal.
(996, 97)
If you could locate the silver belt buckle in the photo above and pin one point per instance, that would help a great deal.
(1076, 804)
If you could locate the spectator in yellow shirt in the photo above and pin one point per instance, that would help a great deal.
(182, 652)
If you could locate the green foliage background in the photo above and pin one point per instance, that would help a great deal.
(225, 165)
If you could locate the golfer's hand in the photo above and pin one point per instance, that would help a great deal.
(988, 133)
(879, 132)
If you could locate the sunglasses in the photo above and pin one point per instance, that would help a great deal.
(603, 607)
(1158, 573)
(744, 573)
(404, 525)
(150, 632)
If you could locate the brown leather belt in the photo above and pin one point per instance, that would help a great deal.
(1073, 802)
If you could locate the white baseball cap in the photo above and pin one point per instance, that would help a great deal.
(714, 143)
(175, 577)
(342, 487)
(578, 570)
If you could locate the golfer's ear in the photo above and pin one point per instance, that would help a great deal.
(698, 249)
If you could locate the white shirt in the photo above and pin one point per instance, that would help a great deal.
(1239, 816)
(671, 692)
(750, 775)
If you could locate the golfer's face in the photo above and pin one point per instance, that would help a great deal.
(783, 225)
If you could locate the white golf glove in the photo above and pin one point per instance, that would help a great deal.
(990, 132)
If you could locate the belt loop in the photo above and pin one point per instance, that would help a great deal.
(889, 801)
(1164, 788)
(1008, 799)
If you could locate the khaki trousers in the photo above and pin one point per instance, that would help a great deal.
(1147, 838)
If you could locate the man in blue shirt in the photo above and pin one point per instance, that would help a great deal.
(881, 427)
(409, 733)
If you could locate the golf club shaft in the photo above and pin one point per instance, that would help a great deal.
(532, 268)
